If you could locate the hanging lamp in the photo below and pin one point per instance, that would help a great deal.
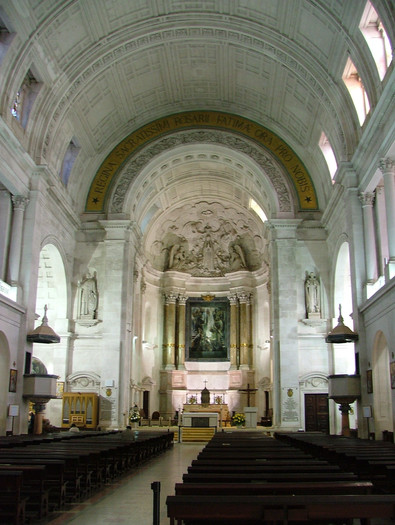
(43, 333)
(341, 333)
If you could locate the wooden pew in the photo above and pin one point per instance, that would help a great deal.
(33, 488)
(242, 510)
(282, 487)
(262, 468)
(54, 476)
(227, 477)
(12, 502)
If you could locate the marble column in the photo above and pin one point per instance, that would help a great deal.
(14, 259)
(387, 168)
(367, 200)
(181, 332)
(381, 221)
(249, 331)
(233, 331)
(244, 338)
(169, 331)
(5, 221)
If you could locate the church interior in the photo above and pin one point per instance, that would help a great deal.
(197, 214)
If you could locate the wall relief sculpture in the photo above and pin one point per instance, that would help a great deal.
(213, 241)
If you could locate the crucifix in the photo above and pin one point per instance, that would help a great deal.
(248, 391)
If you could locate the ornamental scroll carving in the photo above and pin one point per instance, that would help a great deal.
(213, 241)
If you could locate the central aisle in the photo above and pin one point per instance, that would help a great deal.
(130, 499)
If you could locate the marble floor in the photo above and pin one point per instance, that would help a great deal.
(130, 499)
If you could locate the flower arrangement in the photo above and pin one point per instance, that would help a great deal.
(193, 400)
(218, 400)
(238, 419)
(134, 415)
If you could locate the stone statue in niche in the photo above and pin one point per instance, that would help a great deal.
(312, 295)
(88, 297)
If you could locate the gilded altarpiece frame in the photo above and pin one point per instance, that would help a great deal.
(207, 329)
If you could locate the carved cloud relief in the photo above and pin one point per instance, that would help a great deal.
(210, 240)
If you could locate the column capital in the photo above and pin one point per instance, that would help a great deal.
(244, 297)
(386, 165)
(115, 229)
(232, 299)
(182, 299)
(19, 202)
(170, 297)
(366, 198)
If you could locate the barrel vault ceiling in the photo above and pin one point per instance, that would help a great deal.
(109, 67)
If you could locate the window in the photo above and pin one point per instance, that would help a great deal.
(376, 38)
(5, 39)
(357, 91)
(258, 210)
(24, 99)
(68, 160)
(327, 151)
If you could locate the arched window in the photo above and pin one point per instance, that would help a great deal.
(327, 151)
(376, 38)
(357, 91)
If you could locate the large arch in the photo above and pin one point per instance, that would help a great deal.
(202, 120)
(52, 291)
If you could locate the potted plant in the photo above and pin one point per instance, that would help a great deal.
(134, 416)
(238, 420)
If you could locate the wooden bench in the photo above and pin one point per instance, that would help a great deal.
(12, 502)
(284, 509)
(227, 477)
(282, 487)
(33, 488)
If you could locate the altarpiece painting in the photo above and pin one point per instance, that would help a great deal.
(207, 337)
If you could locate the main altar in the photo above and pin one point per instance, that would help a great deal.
(206, 407)
(221, 409)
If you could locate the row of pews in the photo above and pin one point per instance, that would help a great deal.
(243, 478)
(43, 474)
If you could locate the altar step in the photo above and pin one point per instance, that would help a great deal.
(194, 434)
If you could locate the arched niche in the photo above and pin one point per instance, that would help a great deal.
(4, 380)
(382, 396)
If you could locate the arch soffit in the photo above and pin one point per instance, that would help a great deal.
(380, 344)
(269, 145)
(4, 346)
(53, 258)
(210, 169)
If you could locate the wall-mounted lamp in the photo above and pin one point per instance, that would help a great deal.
(341, 333)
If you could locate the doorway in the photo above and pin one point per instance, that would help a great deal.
(316, 413)
(146, 403)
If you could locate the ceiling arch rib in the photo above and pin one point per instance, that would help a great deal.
(239, 134)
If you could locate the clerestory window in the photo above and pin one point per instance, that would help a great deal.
(357, 90)
(327, 151)
(24, 99)
(376, 38)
